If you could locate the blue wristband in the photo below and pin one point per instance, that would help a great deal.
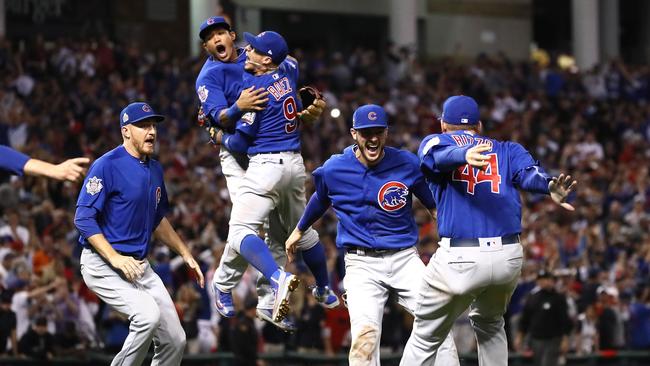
(234, 113)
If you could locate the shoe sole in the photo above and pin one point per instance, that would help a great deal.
(267, 318)
(281, 306)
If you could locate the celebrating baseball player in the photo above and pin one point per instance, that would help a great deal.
(275, 178)
(475, 182)
(371, 188)
(122, 203)
(223, 102)
(18, 163)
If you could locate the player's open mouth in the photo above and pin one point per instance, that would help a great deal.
(372, 147)
(221, 50)
(149, 141)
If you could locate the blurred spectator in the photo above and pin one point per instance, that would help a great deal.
(639, 327)
(610, 319)
(244, 337)
(8, 328)
(587, 332)
(187, 303)
(545, 319)
(37, 342)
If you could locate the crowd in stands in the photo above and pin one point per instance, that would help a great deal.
(61, 98)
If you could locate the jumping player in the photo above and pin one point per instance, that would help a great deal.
(371, 189)
(223, 102)
(275, 178)
(475, 181)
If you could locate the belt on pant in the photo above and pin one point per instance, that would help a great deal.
(353, 249)
(280, 160)
(505, 240)
(132, 255)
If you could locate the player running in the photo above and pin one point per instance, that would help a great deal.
(475, 182)
(371, 189)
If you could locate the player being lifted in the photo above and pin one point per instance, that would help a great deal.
(275, 178)
(219, 87)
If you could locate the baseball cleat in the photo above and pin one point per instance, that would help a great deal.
(326, 297)
(285, 325)
(224, 302)
(283, 283)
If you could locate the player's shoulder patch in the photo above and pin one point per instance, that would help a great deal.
(203, 92)
(94, 185)
(248, 118)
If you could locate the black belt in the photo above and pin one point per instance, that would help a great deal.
(505, 240)
(353, 249)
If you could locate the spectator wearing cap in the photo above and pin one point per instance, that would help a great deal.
(8, 328)
(610, 318)
(545, 321)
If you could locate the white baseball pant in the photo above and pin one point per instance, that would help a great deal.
(232, 265)
(148, 306)
(368, 279)
(482, 277)
(272, 181)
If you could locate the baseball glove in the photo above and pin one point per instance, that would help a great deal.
(203, 120)
(313, 104)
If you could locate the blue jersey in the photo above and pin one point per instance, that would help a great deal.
(219, 84)
(275, 128)
(129, 197)
(12, 160)
(373, 205)
(474, 203)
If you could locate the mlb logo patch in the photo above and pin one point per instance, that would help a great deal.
(210, 21)
(464, 120)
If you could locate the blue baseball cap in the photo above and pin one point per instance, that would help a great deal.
(460, 110)
(369, 115)
(136, 112)
(212, 22)
(269, 43)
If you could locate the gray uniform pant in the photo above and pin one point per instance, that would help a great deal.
(481, 277)
(147, 305)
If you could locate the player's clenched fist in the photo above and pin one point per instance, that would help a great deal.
(129, 266)
(474, 156)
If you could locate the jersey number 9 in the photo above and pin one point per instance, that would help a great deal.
(290, 113)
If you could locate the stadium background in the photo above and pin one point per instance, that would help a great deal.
(567, 79)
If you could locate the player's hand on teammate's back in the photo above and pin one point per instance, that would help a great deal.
(72, 169)
(292, 244)
(475, 158)
(251, 99)
(194, 266)
(560, 188)
(129, 266)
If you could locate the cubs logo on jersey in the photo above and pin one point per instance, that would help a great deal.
(392, 196)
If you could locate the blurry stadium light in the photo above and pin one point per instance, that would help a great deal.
(335, 113)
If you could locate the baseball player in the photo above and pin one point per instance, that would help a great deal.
(18, 163)
(475, 182)
(275, 177)
(223, 102)
(371, 189)
(122, 203)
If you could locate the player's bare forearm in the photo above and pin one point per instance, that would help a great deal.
(72, 169)
(166, 233)
(102, 246)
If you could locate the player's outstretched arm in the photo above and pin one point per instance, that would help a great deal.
(166, 233)
(560, 188)
(71, 170)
